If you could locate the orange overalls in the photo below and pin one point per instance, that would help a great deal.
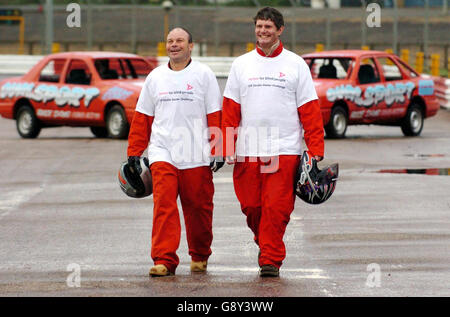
(267, 197)
(196, 191)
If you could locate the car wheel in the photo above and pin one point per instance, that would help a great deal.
(27, 123)
(412, 124)
(116, 123)
(99, 132)
(337, 126)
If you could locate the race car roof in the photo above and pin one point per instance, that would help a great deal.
(95, 54)
(344, 53)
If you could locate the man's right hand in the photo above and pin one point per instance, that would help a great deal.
(134, 164)
(230, 159)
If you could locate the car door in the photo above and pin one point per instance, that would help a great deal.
(47, 88)
(398, 88)
(78, 94)
(371, 102)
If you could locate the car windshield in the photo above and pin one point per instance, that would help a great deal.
(330, 67)
(122, 68)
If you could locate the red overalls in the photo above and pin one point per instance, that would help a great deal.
(196, 190)
(267, 196)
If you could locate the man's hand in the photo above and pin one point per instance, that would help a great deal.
(230, 160)
(318, 158)
(134, 164)
(216, 163)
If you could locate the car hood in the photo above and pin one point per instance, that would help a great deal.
(10, 79)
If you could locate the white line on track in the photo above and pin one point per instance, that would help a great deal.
(223, 180)
(11, 199)
(308, 273)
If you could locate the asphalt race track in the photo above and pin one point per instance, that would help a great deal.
(66, 229)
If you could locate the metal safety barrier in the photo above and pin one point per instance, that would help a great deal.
(219, 65)
(17, 64)
(442, 87)
(21, 64)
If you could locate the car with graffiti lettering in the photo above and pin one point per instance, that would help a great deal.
(370, 87)
(93, 89)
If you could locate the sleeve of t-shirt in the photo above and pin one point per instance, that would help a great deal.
(306, 91)
(232, 88)
(212, 95)
(146, 104)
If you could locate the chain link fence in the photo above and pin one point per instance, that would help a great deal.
(226, 31)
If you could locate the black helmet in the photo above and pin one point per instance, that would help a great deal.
(136, 184)
(314, 186)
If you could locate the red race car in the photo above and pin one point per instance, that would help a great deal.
(94, 89)
(370, 87)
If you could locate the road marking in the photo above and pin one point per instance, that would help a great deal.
(309, 273)
(9, 200)
(12, 199)
(223, 180)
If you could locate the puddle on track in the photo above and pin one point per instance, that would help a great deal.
(425, 171)
(417, 155)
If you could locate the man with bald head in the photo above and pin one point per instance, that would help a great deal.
(177, 116)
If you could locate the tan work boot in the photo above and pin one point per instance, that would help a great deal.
(198, 267)
(159, 270)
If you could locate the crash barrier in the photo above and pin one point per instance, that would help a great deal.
(20, 64)
(17, 64)
(219, 65)
(442, 87)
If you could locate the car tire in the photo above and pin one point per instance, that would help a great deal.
(27, 124)
(117, 125)
(99, 132)
(337, 126)
(412, 123)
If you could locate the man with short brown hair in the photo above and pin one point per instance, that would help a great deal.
(269, 98)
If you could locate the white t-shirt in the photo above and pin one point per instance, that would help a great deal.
(179, 102)
(269, 90)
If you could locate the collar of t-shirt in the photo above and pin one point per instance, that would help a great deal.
(190, 60)
(274, 53)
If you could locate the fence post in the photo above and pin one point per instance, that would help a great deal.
(405, 56)
(395, 27)
(48, 26)
(419, 62)
(89, 38)
(389, 51)
(435, 64)
(56, 47)
(448, 67)
(133, 31)
(161, 49)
